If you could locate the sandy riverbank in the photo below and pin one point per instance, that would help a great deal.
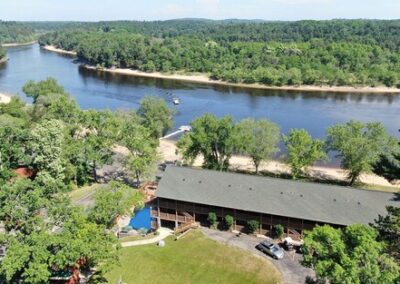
(58, 50)
(204, 79)
(3, 60)
(167, 150)
(4, 99)
(18, 44)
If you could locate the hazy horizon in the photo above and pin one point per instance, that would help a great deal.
(152, 10)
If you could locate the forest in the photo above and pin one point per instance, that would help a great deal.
(16, 32)
(336, 53)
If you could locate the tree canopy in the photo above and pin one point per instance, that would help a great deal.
(303, 151)
(257, 139)
(350, 255)
(359, 146)
(339, 52)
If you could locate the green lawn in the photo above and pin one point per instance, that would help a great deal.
(192, 259)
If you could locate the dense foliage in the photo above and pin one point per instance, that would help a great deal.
(2, 53)
(356, 53)
(46, 149)
(350, 255)
(13, 32)
(359, 146)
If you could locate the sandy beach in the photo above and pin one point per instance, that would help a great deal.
(58, 50)
(204, 79)
(167, 150)
(4, 99)
(18, 44)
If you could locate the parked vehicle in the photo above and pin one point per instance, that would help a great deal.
(272, 249)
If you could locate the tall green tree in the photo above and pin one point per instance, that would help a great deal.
(302, 151)
(116, 199)
(350, 255)
(142, 149)
(257, 139)
(156, 116)
(42, 88)
(389, 231)
(213, 138)
(359, 146)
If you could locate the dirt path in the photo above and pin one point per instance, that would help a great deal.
(168, 149)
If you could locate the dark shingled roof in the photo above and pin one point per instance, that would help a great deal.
(303, 200)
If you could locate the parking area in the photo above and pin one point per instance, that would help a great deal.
(293, 272)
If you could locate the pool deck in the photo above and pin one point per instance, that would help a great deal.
(163, 233)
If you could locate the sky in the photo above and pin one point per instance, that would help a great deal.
(95, 10)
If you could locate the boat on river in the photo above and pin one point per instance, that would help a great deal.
(176, 101)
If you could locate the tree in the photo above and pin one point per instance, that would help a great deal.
(156, 116)
(303, 151)
(212, 218)
(258, 139)
(42, 88)
(99, 131)
(116, 199)
(253, 226)
(213, 138)
(142, 152)
(46, 140)
(350, 255)
(389, 231)
(358, 146)
(229, 221)
(388, 164)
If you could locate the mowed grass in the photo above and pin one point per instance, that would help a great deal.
(192, 259)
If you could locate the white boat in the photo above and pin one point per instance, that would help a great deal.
(175, 101)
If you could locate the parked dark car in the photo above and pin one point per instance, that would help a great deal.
(271, 249)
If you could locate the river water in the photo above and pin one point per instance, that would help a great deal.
(93, 89)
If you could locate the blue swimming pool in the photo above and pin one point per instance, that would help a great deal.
(142, 219)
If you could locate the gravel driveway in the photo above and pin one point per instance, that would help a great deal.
(293, 272)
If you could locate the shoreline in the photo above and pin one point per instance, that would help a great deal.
(58, 50)
(167, 149)
(18, 44)
(204, 79)
(4, 60)
(4, 98)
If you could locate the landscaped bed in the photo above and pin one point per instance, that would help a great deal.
(192, 259)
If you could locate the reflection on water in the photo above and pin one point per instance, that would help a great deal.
(314, 111)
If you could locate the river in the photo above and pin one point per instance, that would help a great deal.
(290, 109)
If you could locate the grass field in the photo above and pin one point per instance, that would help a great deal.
(192, 259)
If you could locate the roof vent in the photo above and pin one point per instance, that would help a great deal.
(183, 179)
(359, 203)
(229, 185)
(250, 188)
(199, 181)
(301, 195)
(281, 192)
(334, 199)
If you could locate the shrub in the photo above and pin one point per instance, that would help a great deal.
(212, 218)
(278, 231)
(253, 225)
(229, 221)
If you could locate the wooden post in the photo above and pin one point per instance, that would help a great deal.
(158, 214)
(234, 219)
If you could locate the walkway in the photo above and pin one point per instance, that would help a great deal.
(292, 271)
(163, 233)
